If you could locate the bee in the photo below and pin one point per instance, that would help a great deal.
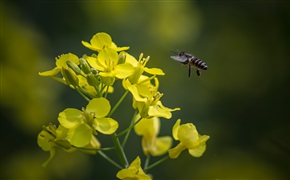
(189, 60)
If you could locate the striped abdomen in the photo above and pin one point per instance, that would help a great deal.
(198, 63)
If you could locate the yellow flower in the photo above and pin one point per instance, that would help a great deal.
(133, 172)
(107, 64)
(61, 63)
(149, 130)
(147, 98)
(82, 125)
(51, 137)
(189, 139)
(139, 67)
(102, 40)
(145, 94)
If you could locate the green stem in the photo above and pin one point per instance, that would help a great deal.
(99, 93)
(120, 151)
(128, 131)
(118, 103)
(147, 161)
(79, 90)
(130, 127)
(156, 163)
(109, 159)
(94, 149)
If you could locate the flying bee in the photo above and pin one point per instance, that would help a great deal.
(189, 60)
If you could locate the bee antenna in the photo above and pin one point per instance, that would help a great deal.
(175, 52)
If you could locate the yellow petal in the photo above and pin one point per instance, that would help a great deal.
(175, 129)
(133, 89)
(96, 64)
(162, 145)
(156, 71)
(114, 46)
(160, 111)
(52, 72)
(99, 106)
(133, 172)
(124, 70)
(131, 60)
(108, 56)
(148, 127)
(70, 117)
(80, 136)
(188, 135)
(61, 60)
(198, 151)
(51, 155)
(174, 152)
(88, 45)
(108, 74)
(106, 125)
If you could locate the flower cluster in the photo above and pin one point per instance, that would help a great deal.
(94, 77)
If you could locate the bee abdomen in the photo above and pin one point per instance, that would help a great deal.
(199, 63)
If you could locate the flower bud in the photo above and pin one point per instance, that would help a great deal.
(121, 58)
(85, 66)
(92, 80)
(74, 67)
(70, 76)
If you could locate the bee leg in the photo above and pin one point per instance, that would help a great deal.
(198, 72)
(189, 71)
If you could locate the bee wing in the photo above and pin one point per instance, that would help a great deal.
(179, 58)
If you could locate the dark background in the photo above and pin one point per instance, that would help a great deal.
(241, 101)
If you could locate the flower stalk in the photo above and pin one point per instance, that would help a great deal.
(120, 151)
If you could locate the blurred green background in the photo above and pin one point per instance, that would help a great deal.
(242, 101)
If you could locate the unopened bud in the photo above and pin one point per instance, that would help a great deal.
(74, 67)
(122, 58)
(92, 80)
(85, 66)
(70, 76)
